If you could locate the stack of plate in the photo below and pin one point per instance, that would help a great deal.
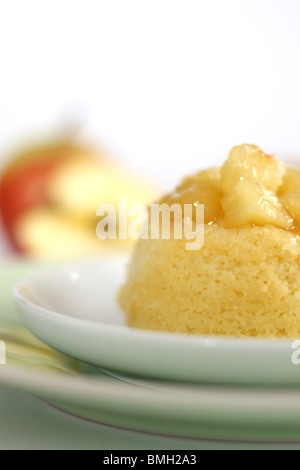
(97, 368)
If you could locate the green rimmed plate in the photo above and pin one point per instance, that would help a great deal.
(217, 412)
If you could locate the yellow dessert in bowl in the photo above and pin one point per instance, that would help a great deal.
(245, 280)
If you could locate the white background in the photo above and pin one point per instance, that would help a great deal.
(168, 85)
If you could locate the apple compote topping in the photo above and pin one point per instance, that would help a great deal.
(251, 188)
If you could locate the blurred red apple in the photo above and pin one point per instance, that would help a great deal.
(23, 182)
(49, 195)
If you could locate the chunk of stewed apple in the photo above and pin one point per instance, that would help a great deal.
(290, 182)
(291, 202)
(194, 193)
(249, 162)
(250, 203)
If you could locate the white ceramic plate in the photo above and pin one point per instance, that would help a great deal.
(74, 310)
